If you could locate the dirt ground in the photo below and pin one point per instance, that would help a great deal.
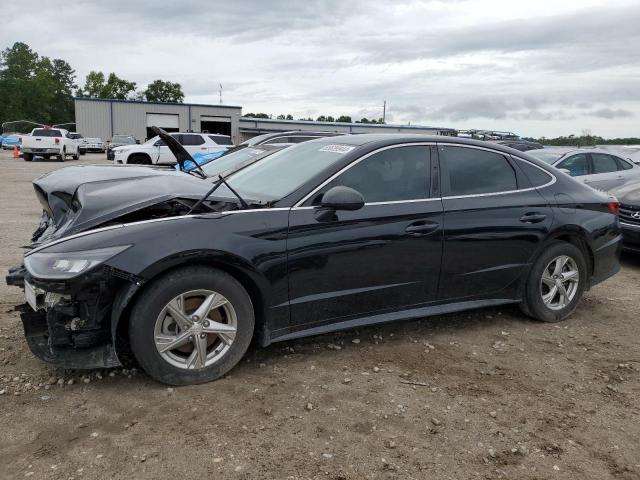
(483, 394)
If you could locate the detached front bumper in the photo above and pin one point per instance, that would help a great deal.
(72, 324)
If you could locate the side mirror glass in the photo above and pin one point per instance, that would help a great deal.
(342, 198)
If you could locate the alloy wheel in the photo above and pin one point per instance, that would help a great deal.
(559, 282)
(195, 329)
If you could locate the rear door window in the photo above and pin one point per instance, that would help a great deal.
(577, 165)
(603, 163)
(473, 171)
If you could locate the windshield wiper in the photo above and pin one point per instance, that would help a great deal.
(213, 189)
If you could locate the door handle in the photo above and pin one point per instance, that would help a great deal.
(422, 227)
(533, 217)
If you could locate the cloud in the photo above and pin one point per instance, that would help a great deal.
(539, 68)
(610, 114)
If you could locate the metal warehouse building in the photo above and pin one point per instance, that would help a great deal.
(250, 127)
(103, 118)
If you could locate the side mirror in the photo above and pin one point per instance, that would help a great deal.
(564, 170)
(342, 198)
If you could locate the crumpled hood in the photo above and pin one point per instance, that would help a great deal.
(628, 194)
(81, 197)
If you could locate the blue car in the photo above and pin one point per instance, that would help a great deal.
(9, 141)
(200, 159)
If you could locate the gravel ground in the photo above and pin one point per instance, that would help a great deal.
(483, 394)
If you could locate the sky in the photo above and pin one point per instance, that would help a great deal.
(536, 68)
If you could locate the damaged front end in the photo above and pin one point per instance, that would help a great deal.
(69, 323)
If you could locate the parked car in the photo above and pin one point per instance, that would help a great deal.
(94, 145)
(595, 167)
(330, 234)
(629, 197)
(11, 140)
(80, 141)
(156, 152)
(119, 141)
(520, 144)
(49, 142)
(277, 138)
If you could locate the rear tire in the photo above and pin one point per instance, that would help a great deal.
(152, 322)
(556, 283)
(62, 156)
(76, 156)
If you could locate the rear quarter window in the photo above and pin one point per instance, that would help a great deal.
(536, 176)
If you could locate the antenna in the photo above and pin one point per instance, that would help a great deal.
(220, 93)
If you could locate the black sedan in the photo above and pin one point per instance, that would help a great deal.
(629, 198)
(330, 234)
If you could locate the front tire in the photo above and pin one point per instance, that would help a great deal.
(191, 326)
(27, 157)
(556, 283)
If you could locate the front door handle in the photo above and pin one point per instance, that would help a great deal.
(422, 227)
(533, 217)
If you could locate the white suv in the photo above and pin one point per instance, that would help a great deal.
(155, 152)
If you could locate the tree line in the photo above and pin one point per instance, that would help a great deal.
(586, 139)
(321, 118)
(40, 89)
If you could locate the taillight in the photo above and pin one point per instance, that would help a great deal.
(57, 141)
(614, 207)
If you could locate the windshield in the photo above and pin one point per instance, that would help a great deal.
(233, 160)
(546, 155)
(286, 170)
(122, 139)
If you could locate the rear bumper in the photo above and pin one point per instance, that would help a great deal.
(49, 151)
(606, 260)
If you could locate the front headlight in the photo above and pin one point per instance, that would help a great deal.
(66, 265)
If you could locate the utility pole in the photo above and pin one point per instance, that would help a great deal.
(384, 111)
(220, 93)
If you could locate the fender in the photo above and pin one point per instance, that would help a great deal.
(254, 282)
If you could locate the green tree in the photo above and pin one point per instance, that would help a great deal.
(35, 88)
(115, 87)
(161, 91)
(344, 119)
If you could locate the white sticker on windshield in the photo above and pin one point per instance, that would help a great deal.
(337, 148)
(255, 151)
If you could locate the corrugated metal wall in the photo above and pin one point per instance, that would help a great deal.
(104, 118)
(250, 127)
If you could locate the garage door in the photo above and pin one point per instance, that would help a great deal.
(215, 124)
(164, 120)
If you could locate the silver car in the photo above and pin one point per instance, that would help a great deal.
(598, 168)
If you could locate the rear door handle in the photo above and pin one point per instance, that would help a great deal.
(422, 227)
(533, 217)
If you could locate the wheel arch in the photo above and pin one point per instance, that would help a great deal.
(144, 155)
(252, 281)
(578, 237)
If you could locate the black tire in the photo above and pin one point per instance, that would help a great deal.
(62, 156)
(151, 302)
(532, 304)
(137, 159)
(76, 156)
(27, 157)
(81, 151)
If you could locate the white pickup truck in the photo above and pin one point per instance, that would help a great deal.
(49, 142)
